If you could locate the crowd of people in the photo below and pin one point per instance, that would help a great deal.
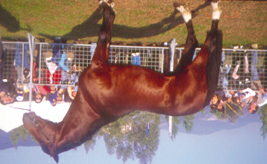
(60, 79)
(54, 76)
(251, 94)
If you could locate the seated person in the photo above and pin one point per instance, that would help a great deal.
(6, 98)
(216, 103)
(38, 98)
(60, 94)
(251, 98)
(40, 91)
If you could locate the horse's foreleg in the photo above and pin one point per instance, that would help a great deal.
(103, 44)
(191, 41)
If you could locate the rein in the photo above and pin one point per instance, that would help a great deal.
(19, 108)
(51, 145)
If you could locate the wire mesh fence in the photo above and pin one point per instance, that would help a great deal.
(60, 64)
(243, 69)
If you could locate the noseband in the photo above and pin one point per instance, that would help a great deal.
(51, 145)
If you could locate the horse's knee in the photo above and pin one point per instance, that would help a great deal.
(103, 36)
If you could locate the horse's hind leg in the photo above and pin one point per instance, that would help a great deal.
(191, 41)
(213, 44)
(103, 44)
(216, 12)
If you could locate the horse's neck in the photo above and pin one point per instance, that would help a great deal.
(78, 126)
(70, 137)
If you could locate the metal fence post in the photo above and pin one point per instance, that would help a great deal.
(31, 40)
(172, 52)
(40, 57)
(162, 60)
(22, 63)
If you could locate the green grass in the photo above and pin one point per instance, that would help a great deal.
(136, 21)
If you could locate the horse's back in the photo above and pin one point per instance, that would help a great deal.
(124, 88)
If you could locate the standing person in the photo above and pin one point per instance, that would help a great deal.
(136, 60)
(242, 79)
(255, 78)
(53, 74)
(72, 89)
(6, 88)
(22, 70)
(57, 49)
(223, 82)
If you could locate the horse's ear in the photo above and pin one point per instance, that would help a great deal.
(56, 158)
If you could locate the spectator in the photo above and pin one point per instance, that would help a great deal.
(22, 70)
(243, 79)
(60, 94)
(72, 90)
(251, 98)
(53, 96)
(7, 88)
(264, 96)
(57, 48)
(53, 75)
(136, 60)
(40, 91)
(223, 73)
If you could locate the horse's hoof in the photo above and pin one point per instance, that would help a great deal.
(181, 7)
(214, 1)
(108, 2)
(177, 4)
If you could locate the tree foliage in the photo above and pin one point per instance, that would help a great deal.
(19, 133)
(127, 137)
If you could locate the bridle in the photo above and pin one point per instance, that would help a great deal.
(51, 145)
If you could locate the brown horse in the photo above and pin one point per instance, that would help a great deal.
(107, 92)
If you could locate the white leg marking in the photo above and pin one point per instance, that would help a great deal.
(216, 11)
(185, 13)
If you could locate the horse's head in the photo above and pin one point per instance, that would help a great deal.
(44, 132)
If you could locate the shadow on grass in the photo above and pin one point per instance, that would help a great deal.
(9, 21)
(90, 28)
